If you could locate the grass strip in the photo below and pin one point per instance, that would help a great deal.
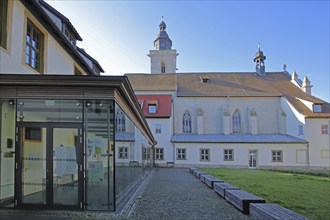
(305, 194)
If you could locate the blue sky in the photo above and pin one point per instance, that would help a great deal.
(210, 36)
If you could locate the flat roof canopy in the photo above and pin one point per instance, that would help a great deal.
(117, 88)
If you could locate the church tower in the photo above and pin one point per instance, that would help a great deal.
(162, 58)
(260, 64)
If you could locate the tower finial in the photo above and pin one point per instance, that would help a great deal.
(259, 60)
(162, 18)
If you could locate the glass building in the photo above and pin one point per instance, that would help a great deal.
(71, 142)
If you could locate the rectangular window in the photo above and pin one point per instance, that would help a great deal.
(324, 129)
(228, 154)
(277, 156)
(152, 108)
(33, 134)
(3, 23)
(159, 153)
(34, 47)
(123, 153)
(181, 154)
(205, 154)
(158, 128)
(69, 36)
(145, 153)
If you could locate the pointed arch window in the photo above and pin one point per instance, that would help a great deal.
(236, 122)
(186, 122)
(162, 67)
(120, 121)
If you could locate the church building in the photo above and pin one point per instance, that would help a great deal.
(254, 119)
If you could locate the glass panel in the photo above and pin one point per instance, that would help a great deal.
(33, 159)
(65, 166)
(7, 155)
(99, 150)
(131, 169)
(49, 110)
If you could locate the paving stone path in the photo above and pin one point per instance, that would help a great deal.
(167, 193)
(175, 193)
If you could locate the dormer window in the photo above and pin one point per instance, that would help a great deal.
(152, 108)
(96, 69)
(69, 36)
(205, 80)
(317, 108)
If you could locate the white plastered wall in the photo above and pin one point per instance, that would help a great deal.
(319, 144)
(290, 151)
(213, 107)
(163, 138)
(56, 59)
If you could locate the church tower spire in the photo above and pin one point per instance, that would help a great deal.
(163, 58)
(163, 41)
(260, 64)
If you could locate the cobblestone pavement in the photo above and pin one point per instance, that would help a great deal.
(167, 193)
(177, 194)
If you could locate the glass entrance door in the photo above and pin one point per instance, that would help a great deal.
(252, 158)
(49, 165)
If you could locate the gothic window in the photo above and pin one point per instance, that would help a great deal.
(236, 122)
(186, 123)
(120, 121)
(162, 68)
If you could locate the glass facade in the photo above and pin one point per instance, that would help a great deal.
(131, 169)
(59, 153)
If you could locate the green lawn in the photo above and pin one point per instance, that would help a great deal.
(304, 194)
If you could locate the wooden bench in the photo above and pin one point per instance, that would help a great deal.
(203, 176)
(242, 199)
(191, 169)
(210, 180)
(134, 163)
(197, 173)
(273, 212)
(169, 164)
(221, 187)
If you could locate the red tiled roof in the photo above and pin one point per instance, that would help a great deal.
(163, 103)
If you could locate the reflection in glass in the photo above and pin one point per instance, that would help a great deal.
(99, 152)
(49, 110)
(65, 166)
(7, 149)
(33, 168)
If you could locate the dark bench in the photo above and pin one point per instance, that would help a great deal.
(210, 180)
(134, 163)
(169, 164)
(221, 187)
(203, 176)
(197, 173)
(242, 199)
(273, 212)
(191, 169)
